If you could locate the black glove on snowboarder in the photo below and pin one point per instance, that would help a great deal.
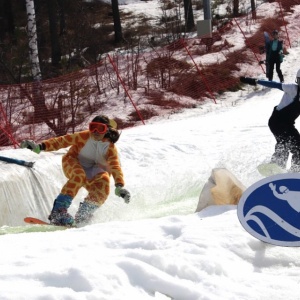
(248, 80)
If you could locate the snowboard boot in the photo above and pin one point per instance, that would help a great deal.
(295, 169)
(280, 157)
(59, 215)
(85, 213)
(295, 164)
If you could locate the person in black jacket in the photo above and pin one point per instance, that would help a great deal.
(282, 121)
(274, 56)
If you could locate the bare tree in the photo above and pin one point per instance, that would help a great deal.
(41, 112)
(6, 19)
(33, 43)
(188, 15)
(117, 21)
(253, 9)
(236, 4)
(62, 21)
(55, 45)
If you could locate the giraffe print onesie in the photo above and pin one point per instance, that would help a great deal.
(88, 163)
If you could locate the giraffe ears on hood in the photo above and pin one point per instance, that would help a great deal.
(113, 123)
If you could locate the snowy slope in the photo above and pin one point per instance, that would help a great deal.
(156, 245)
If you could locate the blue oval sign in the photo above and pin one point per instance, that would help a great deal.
(270, 210)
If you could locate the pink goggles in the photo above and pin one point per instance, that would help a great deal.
(98, 127)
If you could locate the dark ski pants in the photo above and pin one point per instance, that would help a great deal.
(281, 124)
(274, 61)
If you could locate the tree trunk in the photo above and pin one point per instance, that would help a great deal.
(188, 15)
(38, 100)
(62, 21)
(55, 45)
(33, 45)
(253, 9)
(236, 8)
(117, 21)
(6, 19)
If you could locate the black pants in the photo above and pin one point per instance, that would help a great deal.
(282, 125)
(274, 60)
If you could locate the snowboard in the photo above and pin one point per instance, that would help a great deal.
(31, 220)
(33, 225)
(269, 169)
(36, 221)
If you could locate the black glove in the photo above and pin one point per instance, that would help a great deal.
(121, 192)
(248, 80)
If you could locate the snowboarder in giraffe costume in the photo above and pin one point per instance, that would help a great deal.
(89, 163)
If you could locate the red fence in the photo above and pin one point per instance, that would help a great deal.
(135, 86)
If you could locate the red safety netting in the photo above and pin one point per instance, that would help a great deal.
(134, 86)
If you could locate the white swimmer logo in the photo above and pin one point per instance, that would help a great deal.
(292, 197)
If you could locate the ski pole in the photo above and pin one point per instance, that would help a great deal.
(17, 161)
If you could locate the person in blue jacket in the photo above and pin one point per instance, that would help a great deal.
(282, 121)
